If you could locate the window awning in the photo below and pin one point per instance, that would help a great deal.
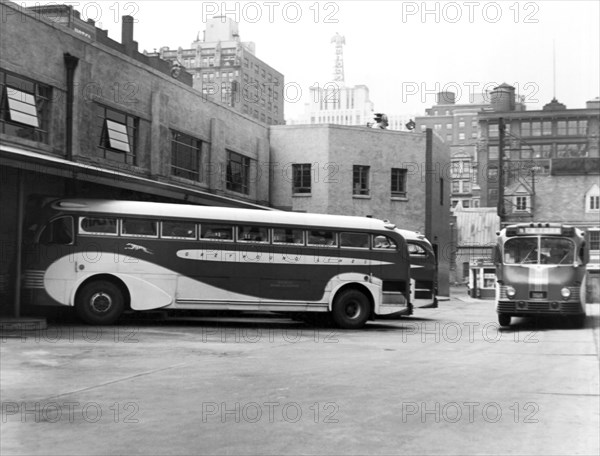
(20, 158)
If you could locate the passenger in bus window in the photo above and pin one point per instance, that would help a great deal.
(383, 242)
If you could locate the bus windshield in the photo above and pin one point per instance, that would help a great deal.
(542, 250)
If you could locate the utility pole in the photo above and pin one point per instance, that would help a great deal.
(500, 208)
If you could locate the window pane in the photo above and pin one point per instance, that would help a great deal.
(354, 240)
(216, 231)
(90, 225)
(59, 231)
(22, 108)
(252, 233)
(521, 251)
(137, 227)
(183, 230)
(288, 236)
(416, 250)
(383, 242)
(319, 237)
(117, 136)
(557, 251)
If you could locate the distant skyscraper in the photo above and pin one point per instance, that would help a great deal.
(227, 71)
(334, 102)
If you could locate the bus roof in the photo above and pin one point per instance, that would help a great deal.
(545, 228)
(413, 236)
(188, 211)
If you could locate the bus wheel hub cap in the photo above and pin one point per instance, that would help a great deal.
(101, 302)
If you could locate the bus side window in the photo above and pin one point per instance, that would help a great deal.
(359, 240)
(58, 231)
(288, 236)
(139, 227)
(178, 230)
(415, 250)
(250, 233)
(321, 237)
(219, 232)
(384, 242)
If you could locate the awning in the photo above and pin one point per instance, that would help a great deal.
(17, 157)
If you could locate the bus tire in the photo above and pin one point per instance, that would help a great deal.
(351, 309)
(99, 302)
(504, 319)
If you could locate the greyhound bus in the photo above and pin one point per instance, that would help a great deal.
(106, 257)
(423, 270)
(541, 270)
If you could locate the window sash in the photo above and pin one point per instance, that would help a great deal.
(117, 136)
(302, 178)
(22, 107)
(360, 180)
(399, 182)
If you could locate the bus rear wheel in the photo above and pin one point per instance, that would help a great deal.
(351, 309)
(100, 302)
(504, 320)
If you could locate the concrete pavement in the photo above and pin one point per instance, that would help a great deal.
(444, 381)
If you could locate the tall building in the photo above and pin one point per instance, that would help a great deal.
(457, 125)
(226, 70)
(550, 169)
(335, 102)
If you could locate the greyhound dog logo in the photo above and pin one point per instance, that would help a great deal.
(131, 246)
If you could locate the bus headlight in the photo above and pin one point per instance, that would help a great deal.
(565, 292)
(510, 291)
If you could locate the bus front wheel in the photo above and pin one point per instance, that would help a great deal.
(351, 309)
(504, 319)
(100, 302)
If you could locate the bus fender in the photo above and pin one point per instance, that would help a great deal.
(372, 284)
(144, 295)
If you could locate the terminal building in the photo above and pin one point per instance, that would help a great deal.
(83, 115)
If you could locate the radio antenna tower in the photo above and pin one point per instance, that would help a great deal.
(338, 69)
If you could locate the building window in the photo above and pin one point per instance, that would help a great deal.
(238, 168)
(493, 153)
(546, 128)
(521, 203)
(118, 133)
(461, 124)
(592, 199)
(448, 126)
(437, 127)
(24, 108)
(455, 186)
(441, 191)
(301, 178)
(538, 151)
(594, 240)
(461, 136)
(360, 180)
(492, 174)
(571, 150)
(186, 156)
(493, 131)
(399, 182)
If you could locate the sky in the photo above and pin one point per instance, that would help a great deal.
(404, 51)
